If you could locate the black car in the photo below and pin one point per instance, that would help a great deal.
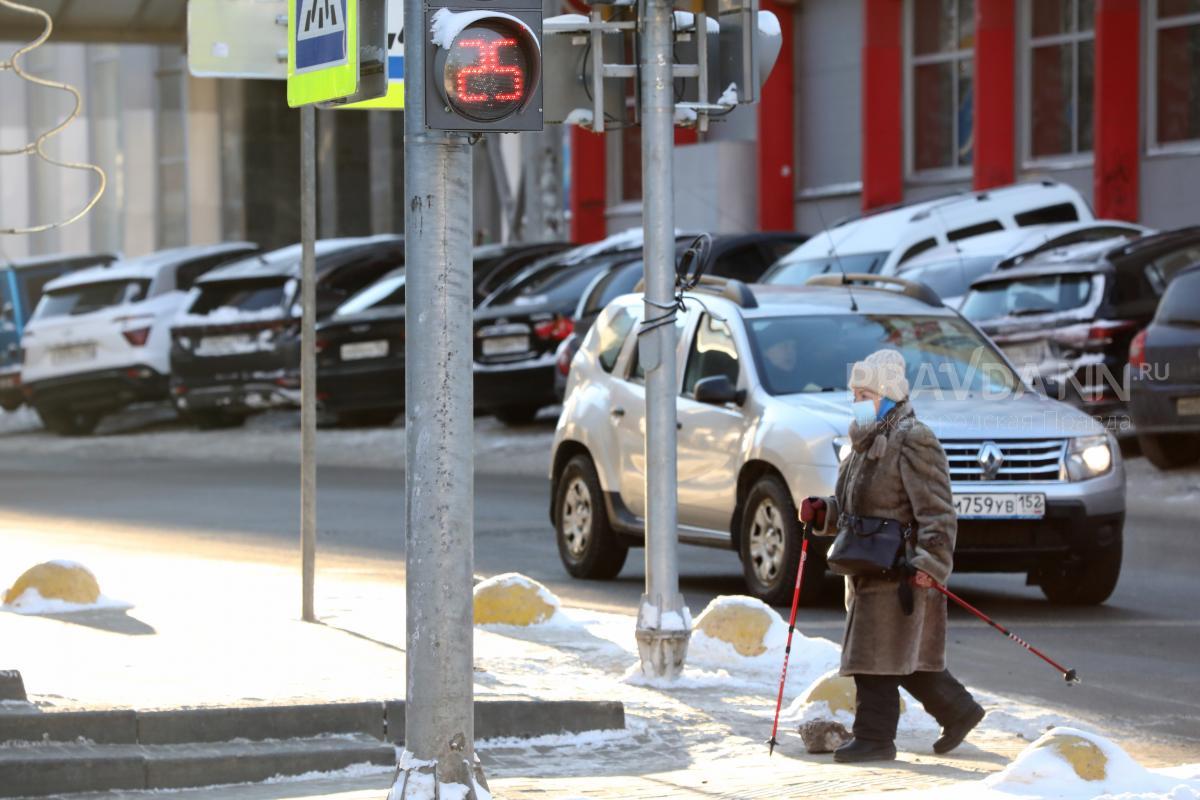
(1066, 317)
(742, 257)
(1164, 363)
(360, 348)
(236, 348)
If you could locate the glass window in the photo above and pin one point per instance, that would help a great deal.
(611, 334)
(551, 283)
(1061, 77)
(940, 352)
(713, 353)
(951, 278)
(388, 292)
(795, 273)
(1027, 296)
(1176, 64)
(257, 294)
(942, 50)
(1181, 303)
(89, 297)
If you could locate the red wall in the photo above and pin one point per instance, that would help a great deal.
(882, 104)
(1117, 109)
(994, 132)
(777, 133)
(588, 199)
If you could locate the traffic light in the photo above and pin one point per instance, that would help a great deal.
(483, 68)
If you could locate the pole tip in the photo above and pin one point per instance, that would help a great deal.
(771, 746)
(1071, 677)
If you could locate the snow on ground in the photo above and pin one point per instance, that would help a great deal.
(31, 602)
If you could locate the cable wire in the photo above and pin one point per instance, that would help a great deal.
(37, 147)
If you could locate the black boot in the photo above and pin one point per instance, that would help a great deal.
(954, 733)
(859, 750)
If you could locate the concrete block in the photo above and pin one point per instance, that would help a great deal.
(258, 723)
(526, 719)
(101, 727)
(45, 770)
(11, 685)
(394, 713)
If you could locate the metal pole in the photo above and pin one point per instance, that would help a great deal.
(308, 360)
(439, 729)
(663, 626)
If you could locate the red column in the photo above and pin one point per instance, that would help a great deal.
(777, 132)
(882, 104)
(1116, 109)
(588, 198)
(995, 43)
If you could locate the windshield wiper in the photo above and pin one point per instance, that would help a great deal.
(1028, 312)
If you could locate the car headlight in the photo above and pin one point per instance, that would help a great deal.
(1089, 457)
(842, 448)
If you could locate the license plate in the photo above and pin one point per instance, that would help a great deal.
(505, 345)
(1028, 353)
(225, 345)
(1188, 406)
(8, 381)
(1024, 505)
(73, 353)
(356, 351)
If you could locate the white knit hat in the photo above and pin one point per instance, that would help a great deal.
(883, 373)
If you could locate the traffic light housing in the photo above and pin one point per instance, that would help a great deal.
(483, 67)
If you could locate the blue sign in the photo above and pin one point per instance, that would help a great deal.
(320, 34)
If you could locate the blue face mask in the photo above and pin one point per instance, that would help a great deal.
(885, 405)
(864, 412)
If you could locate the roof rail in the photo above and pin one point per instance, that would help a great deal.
(729, 288)
(913, 289)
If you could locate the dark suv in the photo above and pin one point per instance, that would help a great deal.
(235, 349)
(1066, 317)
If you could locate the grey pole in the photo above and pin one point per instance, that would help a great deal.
(663, 626)
(439, 730)
(308, 361)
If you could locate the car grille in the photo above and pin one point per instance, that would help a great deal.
(1013, 460)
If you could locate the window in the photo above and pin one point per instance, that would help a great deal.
(745, 264)
(941, 74)
(1181, 304)
(713, 353)
(978, 229)
(90, 297)
(387, 292)
(254, 294)
(1048, 215)
(788, 272)
(1047, 294)
(1175, 61)
(916, 250)
(1061, 77)
(611, 334)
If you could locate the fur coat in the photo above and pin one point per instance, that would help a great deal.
(897, 470)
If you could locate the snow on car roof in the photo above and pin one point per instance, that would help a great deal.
(286, 260)
(146, 267)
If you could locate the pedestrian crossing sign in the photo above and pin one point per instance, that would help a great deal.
(322, 50)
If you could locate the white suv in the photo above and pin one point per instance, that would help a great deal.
(763, 412)
(100, 338)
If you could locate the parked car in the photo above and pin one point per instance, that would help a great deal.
(21, 285)
(950, 269)
(99, 339)
(883, 240)
(743, 257)
(1164, 362)
(1066, 317)
(763, 419)
(236, 349)
(360, 347)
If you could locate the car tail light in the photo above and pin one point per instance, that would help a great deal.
(179, 389)
(321, 345)
(563, 363)
(555, 330)
(288, 382)
(137, 336)
(1137, 350)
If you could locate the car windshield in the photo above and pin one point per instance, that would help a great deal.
(790, 272)
(942, 353)
(386, 293)
(259, 294)
(552, 284)
(1043, 294)
(621, 280)
(1181, 304)
(88, 297)
(951, 278)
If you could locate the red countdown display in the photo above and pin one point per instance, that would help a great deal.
(490, 70)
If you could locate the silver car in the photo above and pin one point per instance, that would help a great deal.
(763, 413)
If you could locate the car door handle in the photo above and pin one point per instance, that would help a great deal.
(618, 412)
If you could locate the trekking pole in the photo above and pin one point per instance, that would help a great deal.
(1068, 674)
(787, 651)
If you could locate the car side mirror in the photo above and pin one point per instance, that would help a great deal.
(718, 390)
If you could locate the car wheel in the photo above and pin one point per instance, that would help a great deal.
(213, 419)
(771, 543)
(1170, 451)
(1090, 583)
(11, 405)
(517, 415)
(68, 422)
(372, 418)
(586, 542)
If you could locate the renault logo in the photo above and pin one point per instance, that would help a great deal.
(991, 458)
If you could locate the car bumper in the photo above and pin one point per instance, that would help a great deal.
(11, 395)
(523, 383)
(1155, 408)
(360, 389)
(244, 397)
(101, 390)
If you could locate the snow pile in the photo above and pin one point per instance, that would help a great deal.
(515, 600)
(416, 781)
(579, 116)
(564, 23)
(19, 421)
(810, 658)
(831, 697)
(447, 25)
(691, 678)
(729, 97)
(57, 587)
(1073, 764)
(30, 602)
(225, 315)
(768, 25)
(685, 116)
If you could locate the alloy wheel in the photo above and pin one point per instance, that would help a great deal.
(766, 543)
(577, 517)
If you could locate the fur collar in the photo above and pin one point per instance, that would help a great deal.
(872, 439)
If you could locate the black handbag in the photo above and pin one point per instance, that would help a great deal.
(869, 546)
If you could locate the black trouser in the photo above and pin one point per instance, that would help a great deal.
(878, 703)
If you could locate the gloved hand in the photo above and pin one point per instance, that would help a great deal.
(922, 580)
(812, 509)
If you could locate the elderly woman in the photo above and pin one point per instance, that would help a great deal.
(895, 620)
